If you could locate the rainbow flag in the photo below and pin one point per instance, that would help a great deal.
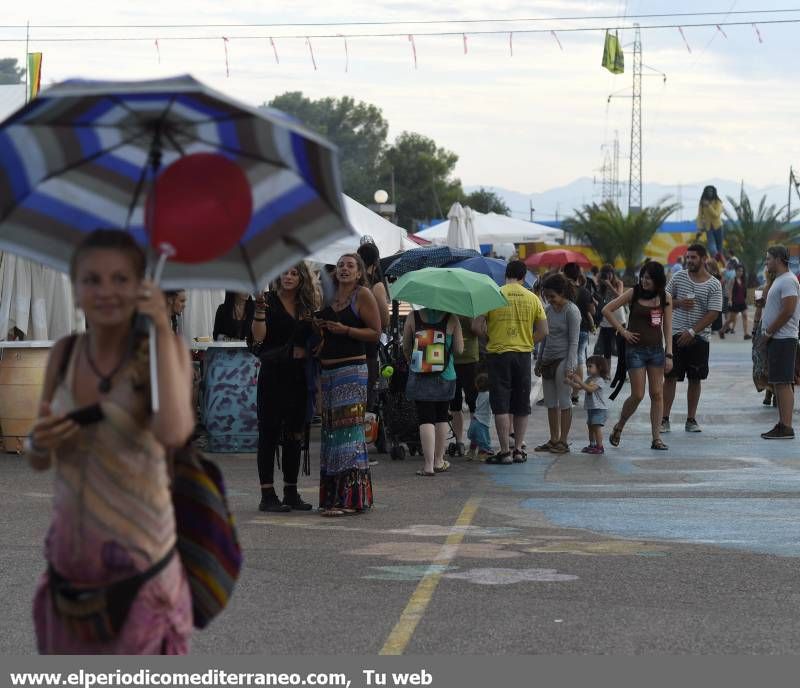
(34, 74)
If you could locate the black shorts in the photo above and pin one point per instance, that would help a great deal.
(465, 387)
(510, 383)
(689, 361)
(780, 361)
(433, 412)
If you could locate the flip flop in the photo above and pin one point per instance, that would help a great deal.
(425, 474)
(441, 469)
(616, 436)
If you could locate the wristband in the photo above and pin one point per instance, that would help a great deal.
(692, 332)
(669, 355)
(259, 320)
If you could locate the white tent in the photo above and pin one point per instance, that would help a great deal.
(35, 300)
(491, 228)
(389, 238)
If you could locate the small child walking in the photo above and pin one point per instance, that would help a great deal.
(594, 401)
(480, 443)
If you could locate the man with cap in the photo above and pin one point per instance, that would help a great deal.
(780, 321)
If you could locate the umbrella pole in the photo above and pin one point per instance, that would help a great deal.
(155, 163)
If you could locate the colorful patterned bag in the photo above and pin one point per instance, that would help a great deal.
(207, 540)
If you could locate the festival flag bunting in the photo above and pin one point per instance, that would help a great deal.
(158, 51)
(683, 35)
(613, 58)
(413, 49)
(555, 35)
(511, 44)
(274, 50)
(227, 64)
(311, 52)
(464, 36)
(758, 33)
(34, 74)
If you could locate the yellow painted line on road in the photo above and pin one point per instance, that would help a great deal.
(404, 629)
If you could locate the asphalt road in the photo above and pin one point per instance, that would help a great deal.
(688, 551)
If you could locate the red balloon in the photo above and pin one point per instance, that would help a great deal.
(203, 206)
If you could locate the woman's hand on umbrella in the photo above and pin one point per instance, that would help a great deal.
(153, 304)
(51, 431)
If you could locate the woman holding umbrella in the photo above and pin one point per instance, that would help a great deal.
(347, 324)
(430, 339)
(111, 543)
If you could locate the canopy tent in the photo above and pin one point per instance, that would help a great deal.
(491, 228)
(389, 238)
(36, 300)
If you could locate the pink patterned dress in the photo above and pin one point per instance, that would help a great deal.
(113, 518)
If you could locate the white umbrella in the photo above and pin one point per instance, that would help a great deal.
(491, 228)
(457, 236)
(469, 222)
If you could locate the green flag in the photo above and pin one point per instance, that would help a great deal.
(613, 59)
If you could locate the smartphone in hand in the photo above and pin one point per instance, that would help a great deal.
(87, 415)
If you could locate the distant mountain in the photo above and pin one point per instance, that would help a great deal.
(559, 202)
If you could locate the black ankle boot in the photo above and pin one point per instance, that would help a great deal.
(293, 500)
(270, 501)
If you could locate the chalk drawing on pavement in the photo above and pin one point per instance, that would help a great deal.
(491, 576)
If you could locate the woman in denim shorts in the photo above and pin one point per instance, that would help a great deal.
(649, 331)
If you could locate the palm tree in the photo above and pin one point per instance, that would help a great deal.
(752, 232)
(612, 233)
(635, 230)
(586, 226)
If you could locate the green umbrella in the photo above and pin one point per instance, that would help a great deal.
(452, 290)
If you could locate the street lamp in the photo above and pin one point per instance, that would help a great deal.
(385, 209)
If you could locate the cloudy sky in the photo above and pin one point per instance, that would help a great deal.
(528, 122)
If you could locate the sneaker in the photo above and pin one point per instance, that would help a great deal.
(587, 449)
(575, 400)
(665, 425)
(596, 450)
(779, 432)
(691, 426)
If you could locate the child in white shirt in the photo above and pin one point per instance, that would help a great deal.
(595, 401)
(480, 443)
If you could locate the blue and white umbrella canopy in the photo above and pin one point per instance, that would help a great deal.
(428, 257)
(77, 158)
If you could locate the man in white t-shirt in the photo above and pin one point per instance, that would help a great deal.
(779, 323)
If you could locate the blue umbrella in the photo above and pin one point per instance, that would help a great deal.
(428, 257)
(494, 267)
(83, 155)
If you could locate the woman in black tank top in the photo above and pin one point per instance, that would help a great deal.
(346, 325)
(372, 261)
(648, 333)
(280, 334)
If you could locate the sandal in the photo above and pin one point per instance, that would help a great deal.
(499, 458)
(546, 447)
(425, 474)
(616, 436)
(658, 445)
(519, 456)
(441, 469)
(559, 448)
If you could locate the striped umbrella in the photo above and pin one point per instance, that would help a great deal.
(83, 155)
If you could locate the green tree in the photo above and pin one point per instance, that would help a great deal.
(613, 233)
(9, 72)
(358, 129)
(422, 173)
(752, 231)
(485, 201)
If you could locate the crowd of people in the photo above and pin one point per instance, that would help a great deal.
(318, 337)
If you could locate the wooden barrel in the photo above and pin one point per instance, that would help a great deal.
(21, 379)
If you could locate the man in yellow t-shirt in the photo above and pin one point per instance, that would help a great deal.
(513, 330)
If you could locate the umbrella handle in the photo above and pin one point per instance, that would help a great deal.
(166, 251)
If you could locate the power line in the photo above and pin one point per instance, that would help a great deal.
(484, 32)
(401, 22)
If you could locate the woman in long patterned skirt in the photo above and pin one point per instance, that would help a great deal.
(347, 325)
